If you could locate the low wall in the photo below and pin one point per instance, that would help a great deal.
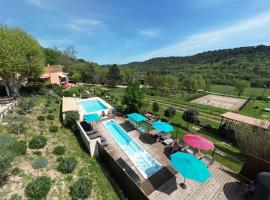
(90, 144)
(131, 190)
(253, 166)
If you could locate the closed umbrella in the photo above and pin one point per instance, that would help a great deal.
(198, 142)
(190, 167)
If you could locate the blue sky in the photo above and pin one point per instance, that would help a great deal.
(121, 31)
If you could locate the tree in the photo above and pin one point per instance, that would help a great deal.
(170, 112)
(70, 54)
(190, 116)
(76, 76)
(71, 117)
(133, 99)
(240, 86)
(113, 76)
(20, 57)
(155, 107)
(195, 82)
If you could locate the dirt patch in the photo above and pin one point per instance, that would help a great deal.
(230, 103)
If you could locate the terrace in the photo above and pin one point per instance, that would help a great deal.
(164, 184)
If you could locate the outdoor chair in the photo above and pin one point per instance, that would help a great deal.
(91, 132)
(104, 143)
(94, 136)
(207, 160)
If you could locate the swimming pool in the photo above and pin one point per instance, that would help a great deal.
(92, 105)
(145, 163)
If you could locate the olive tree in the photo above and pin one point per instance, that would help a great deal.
(21, 57)
(190, 116)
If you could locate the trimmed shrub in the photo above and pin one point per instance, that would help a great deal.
(25, 105)
(15, 197)
(39, 188)
(17, 122)
(5, 164)
(50, 117)
(41, 118)
(40, 163)
(19, 148)
(71, 117)
(81, 189)
(59, 150)
(53, 129)
(67, 165)
(37, 142)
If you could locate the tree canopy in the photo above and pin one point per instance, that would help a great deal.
(134, 98)
(240, 86)
(113, 76)
(21, 57)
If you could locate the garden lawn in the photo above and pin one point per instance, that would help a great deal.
(227, 89)
(253, 108)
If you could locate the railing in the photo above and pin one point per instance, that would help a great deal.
(5, 112)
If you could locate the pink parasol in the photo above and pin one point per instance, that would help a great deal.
(198, 142)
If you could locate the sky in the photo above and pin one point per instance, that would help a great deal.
(122, 31)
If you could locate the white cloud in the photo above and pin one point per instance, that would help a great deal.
(150, 33)
(252, 31)
(84, 25)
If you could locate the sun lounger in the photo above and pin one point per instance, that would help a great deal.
(91, 132)
(94, 136)
(136, 179)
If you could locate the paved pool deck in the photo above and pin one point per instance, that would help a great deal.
(224, 183)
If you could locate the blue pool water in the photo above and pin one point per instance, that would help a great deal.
(92, 105)
(145, 163)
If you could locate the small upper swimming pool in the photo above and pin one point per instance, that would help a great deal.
(92, 105)
(145, 163)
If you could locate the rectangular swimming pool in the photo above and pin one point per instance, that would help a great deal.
(145, 163)
(92, 105)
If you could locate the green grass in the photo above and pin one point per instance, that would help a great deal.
(91, 168)
(253, 108)
(180, 130)
(180, 126)
(227, 89)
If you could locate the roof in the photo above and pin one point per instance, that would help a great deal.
(247, 120)
(137, 117)
(69, 104)
(53, 69)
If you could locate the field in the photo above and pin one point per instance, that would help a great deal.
(86, 167)
(230, 103)
(229, 90)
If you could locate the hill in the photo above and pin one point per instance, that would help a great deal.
(220, 66)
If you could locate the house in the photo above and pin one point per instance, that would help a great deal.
(55, 74)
